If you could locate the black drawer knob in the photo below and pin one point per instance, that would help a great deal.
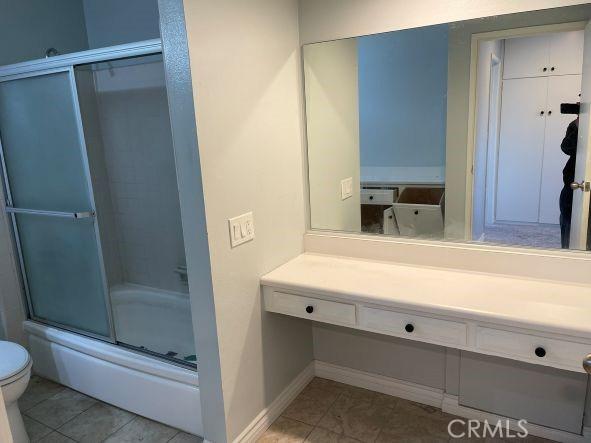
(545, 69)
(540, 352)
(371, 197)
(409, 328)
(309, 309)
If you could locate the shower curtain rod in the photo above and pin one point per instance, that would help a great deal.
(109, 53)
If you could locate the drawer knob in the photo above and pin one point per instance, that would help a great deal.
(409, 328)
(540, 352)
(309, 309)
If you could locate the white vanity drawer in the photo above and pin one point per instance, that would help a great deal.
(377, 196)
(311, 308)
(552, 351)
(412, 326)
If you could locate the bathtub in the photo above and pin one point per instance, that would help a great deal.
(130, 380)
(156, 320)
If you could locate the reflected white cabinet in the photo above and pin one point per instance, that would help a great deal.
(529, 175)
(543, 55)
(521, 149)
(539, 73)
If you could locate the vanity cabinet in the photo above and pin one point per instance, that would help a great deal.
(518, 319)
(544, 55)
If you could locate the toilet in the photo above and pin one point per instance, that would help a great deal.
(15, 372)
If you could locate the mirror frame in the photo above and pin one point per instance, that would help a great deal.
(470, 146)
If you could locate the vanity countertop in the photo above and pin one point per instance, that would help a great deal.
(547, 306)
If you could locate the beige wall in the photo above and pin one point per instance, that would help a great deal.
(332, 110)
(322, 20)
(245, 64)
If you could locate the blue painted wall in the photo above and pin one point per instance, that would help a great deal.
(403, 97)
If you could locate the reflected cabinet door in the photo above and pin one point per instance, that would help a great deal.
(49, 198)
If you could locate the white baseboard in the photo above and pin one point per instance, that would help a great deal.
(379, 383)
(397, 388)
(268, 415)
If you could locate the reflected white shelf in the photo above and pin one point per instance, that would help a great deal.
(398, 176)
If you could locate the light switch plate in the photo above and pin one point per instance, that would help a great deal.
(346, 188)
(241, 229)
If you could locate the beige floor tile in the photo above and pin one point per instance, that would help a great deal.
(311, 405)
(386, 401)
(414, 422)
(183, 437)
(61, 408)
(360, 393)
(56, 437)
(35, 430)
(328, 385)
(357, 418)
(96, 423)
(142, 430)
(38, 390)
(319, 435)
(285, 430)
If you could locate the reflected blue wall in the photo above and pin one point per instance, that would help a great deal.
(403, 97)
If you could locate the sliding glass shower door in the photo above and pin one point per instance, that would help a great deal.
(50, 200)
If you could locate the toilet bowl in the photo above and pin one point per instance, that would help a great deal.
(15, 372)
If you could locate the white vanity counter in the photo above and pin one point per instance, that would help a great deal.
(541, 322)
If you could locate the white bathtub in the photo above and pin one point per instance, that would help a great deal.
(132, 381)
(157, 320)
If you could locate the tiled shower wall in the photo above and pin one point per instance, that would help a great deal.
(138, 199)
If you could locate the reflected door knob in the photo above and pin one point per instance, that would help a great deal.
(583, 186)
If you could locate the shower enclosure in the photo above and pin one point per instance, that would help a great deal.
(90, 186)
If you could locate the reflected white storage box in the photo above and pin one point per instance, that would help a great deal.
(419, 212)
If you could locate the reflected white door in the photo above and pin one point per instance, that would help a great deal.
(521, 150)
(561, 89)
(580, 211)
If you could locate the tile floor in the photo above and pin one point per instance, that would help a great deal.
(331, 412)
(55, 414)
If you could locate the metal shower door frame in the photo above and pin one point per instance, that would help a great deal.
(65, 64)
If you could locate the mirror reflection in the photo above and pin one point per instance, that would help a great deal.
(467, 131)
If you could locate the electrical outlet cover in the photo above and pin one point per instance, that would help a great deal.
(346, 188)
(241, 229)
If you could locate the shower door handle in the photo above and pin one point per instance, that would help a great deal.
(74, 215)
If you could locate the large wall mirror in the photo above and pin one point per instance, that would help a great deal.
(465, 131)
